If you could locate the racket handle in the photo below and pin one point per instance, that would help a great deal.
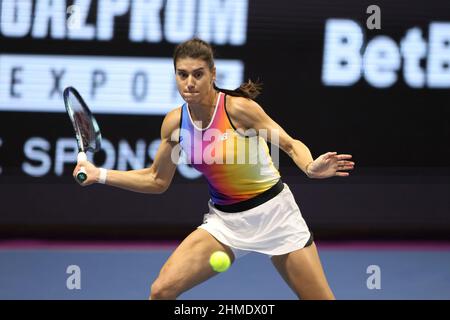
(81, 174)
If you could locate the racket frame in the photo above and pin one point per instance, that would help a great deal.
(81, 157)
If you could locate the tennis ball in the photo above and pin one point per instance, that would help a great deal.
(219, 261)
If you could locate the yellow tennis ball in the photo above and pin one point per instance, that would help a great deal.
(219, 261)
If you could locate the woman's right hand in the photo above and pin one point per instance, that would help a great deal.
(92, 172)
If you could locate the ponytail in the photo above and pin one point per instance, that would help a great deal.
(249, 90)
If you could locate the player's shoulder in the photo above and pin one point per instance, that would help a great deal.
(240, 105)
(171, 121)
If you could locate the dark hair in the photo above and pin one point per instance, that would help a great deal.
(199, 49)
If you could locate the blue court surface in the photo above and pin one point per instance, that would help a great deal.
(41, 270)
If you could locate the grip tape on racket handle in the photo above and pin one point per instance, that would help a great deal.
(81, 174)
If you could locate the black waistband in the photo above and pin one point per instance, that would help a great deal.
(253, 202)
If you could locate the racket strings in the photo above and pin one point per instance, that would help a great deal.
(86, 128)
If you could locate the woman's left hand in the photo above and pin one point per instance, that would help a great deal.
(330, 164)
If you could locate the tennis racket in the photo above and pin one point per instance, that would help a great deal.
(87, 131)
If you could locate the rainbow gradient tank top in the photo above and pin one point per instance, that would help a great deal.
(236, 167)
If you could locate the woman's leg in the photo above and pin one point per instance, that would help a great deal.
(188, 265)
(302, 271)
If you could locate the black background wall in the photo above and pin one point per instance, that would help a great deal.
(398, 134)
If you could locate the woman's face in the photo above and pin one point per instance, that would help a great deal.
(194, 80)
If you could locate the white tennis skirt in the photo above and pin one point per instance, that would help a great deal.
(275, 227)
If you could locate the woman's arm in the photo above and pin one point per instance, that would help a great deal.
(247, 114)
(156, 178)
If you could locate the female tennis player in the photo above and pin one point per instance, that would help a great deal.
(250, 208)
